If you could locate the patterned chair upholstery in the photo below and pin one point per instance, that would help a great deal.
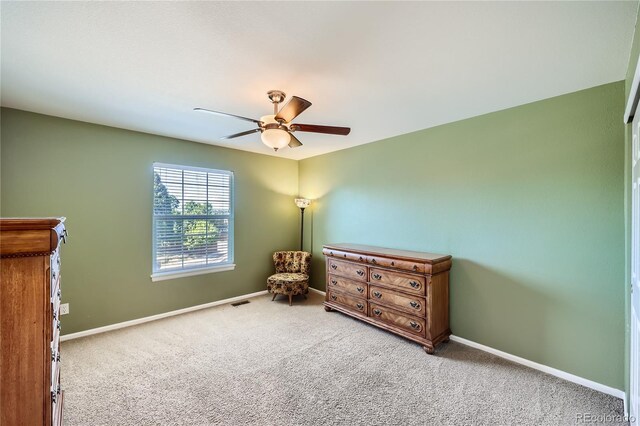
(292, 274)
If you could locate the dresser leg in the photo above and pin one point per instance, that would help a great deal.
(445, 340)
(328, 309)
(429, 349)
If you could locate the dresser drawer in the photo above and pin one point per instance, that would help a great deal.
(348, 269)
(345, 285)
(353, 303)
(57, 410)
(55, 338)
(56, 397)
(386, 262)
(409, 323)
(55, 374)
(345, 255)
(404, 302)
(408, 283)
(54, 267)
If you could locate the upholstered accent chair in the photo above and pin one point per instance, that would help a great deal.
(292, 274)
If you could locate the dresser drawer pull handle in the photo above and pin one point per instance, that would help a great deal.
(58, 261)
(334, 267)
(53, 276)
(360, 306)
(415, 267)
(360, 289)
(53, 356)
(414, 284)
(377, 276)
(331, 253)
(377, 312)
(59, 293)
(58, 359)
(345, 255)
(360, 258)
(334, 297)
(414, 325)
(334, 282)
(360, 272)
(415, 305)
(53, 397)
(55, 316)
(58, 325)
(377, 294)
(373, 261)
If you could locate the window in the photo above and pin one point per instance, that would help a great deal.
(192, 221)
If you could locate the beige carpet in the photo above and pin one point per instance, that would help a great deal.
(265, 363)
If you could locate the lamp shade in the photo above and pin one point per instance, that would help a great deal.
(302, 203)
(274, 138)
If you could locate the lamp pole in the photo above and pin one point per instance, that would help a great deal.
(301, 227)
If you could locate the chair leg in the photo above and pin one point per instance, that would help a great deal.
(291, 295)
(274, 297)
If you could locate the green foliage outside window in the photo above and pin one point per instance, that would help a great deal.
(190, 234)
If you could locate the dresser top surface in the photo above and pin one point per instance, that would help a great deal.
(30, 236)
(404, 254)
(29, 223)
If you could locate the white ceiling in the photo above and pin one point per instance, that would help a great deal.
(383, 68)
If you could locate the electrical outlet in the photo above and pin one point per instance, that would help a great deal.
(64, 309)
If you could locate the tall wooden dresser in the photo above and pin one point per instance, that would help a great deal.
(401, 291)
(30, 391)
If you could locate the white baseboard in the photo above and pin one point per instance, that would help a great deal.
(545, 369)
(315, 290)
(157, 317)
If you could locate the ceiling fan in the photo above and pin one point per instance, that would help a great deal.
(276, 131)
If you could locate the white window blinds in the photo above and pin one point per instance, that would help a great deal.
(192, 218)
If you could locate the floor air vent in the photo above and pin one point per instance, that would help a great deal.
(242, 302)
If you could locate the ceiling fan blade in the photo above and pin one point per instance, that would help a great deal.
(292, 109)
(224, 114)
(237, 135)
(294, 143)
(331, 130)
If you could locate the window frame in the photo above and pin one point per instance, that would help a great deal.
(196, 270)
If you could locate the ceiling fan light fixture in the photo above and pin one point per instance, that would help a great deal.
(275, 138)
(274, 135)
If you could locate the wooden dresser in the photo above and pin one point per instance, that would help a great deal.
(404, 292)
(30, 391)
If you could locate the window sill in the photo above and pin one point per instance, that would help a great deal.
(161, 276)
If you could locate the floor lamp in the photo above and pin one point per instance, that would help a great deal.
(302, 203)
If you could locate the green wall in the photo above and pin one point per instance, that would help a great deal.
(101, 179)
(530, 203)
